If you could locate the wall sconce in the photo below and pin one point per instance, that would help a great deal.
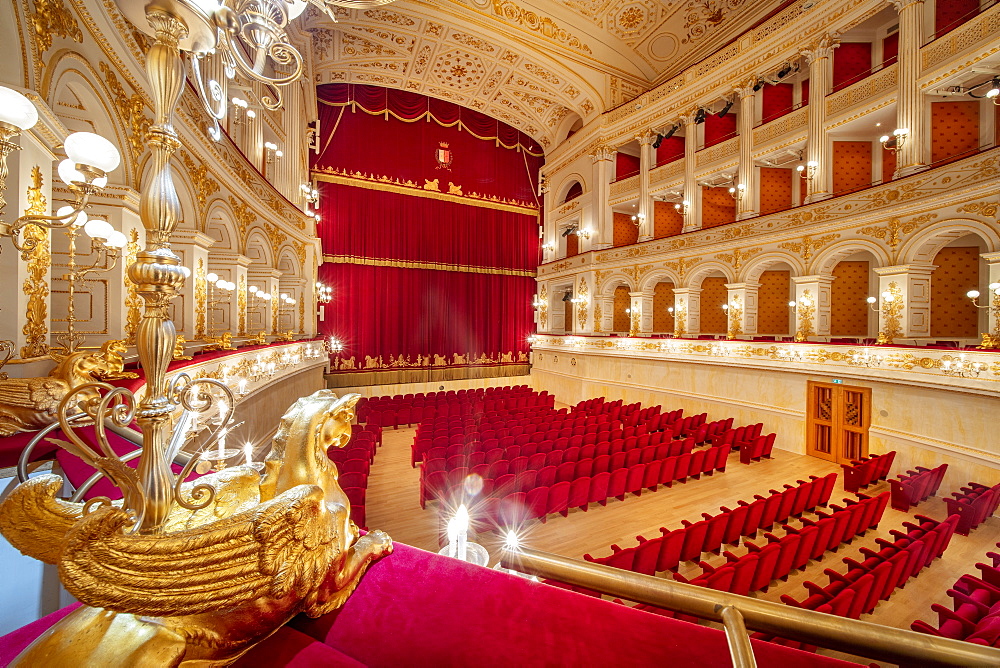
(333, 345)
(548, 247)
(887, 297)
(85, 170)
(738, 191)
(242, 111)
(324, 293)
(310, 194)
(683, 207)
(990, 341)
(271, 152)
(639, 219)
(808, 170)
(962, 367)
(585, 233)
(992, 93)
(896, 141)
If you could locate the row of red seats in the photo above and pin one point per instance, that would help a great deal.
(354, 464)
(548, 453)
(449, 396)
(362, 445)
(913, 487)
(515, 425)
(438, 482)
(759, 448)
(762, 565)
(861, 473)
(974, 505)
(709, 534)
(456, 405)
(739, 436)
(515, 508)
(395, 417)
(975, 616)
(866, 583)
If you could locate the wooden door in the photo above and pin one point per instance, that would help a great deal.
(838, 419)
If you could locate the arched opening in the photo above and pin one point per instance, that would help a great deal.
(957, 271)
(663, 305)
(853, 282)
(574, 191)
(775, 291)
(714, 296)
(622, 309)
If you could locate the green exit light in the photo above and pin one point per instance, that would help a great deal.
(838, 381)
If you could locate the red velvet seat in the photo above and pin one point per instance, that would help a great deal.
(635, 478)
(616, 483)
(671, 544)
(558, 498)
(599, 488)
(651, 477)
(694, 539)
(579, 493)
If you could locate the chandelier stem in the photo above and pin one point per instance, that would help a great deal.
(157, 272)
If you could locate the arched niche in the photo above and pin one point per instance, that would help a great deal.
(220, 226)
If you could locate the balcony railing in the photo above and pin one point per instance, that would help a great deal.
(863, 91)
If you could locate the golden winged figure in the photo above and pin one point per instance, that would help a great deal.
(219, 579)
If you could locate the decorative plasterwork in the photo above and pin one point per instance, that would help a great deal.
(444, 59)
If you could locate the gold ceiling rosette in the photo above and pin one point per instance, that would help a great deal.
(200, 571)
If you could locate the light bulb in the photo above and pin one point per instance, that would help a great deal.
(116, 240)
(81, 218)
(17, 110)
(901, 132)
(87, 148)
(972, 294)
(884, 138)
(812, 163)
(871, 300)
(212, 277)
(994, 286)
(98, 229)
(992, 93)
(296, 7)
(889, 297)
(791, 304)
(800, 168)
(69, 173)
(267, 296)
(186, 271)
(252, 289)
(284, 295)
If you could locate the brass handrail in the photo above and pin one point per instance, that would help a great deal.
(865, 639)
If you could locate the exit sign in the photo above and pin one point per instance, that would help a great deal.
(838, 381)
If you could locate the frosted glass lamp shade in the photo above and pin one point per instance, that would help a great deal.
(296, 7)
(186, 271)
(17, 110)
(70, 175)
(98, 229)
(212, 277)
(81, 218)
(116, 240)
(86, 148)
(252, 289)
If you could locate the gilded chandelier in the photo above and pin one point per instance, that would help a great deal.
(263, 550)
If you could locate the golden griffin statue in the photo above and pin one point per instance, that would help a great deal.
(221, 575)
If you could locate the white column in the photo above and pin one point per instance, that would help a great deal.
(819, 57)
(687, 311)
(604, 314)
(259, 311)
(123, 310)
(911, 157)
(749, 204)
(988, 320)
(190, 310)
(812, 306)
(604, 219)
(908, 313)
(692, 193)
(646, 162)
(27, 285)
(646, 317)
(742, 300)
(636, 313)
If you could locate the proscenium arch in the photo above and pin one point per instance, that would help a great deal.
(925, 246)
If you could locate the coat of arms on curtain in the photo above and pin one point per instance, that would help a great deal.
(444, 156)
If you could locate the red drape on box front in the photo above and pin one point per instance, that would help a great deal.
(421, 273)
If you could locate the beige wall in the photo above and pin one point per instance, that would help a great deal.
(435, 386)
(925, 426)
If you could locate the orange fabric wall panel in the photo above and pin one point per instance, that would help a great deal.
(717, 207)
(626, 232)
(622, 321)
(848, 309)
(772, 302)
(667, 221)
(952, 313)
(572, 245)
(713, 295)
(568, 316)
(852, 166)
(775, 189)
(954, 130)
(888, 164)
(663, 298)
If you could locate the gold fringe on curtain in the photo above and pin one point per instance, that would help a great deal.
(435, 266)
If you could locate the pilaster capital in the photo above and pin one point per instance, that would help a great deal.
(602, 152)
(821, 48)
(914, 268)
(746, 89)
(687, 118)
(900, 5)
(646, 138)
(991, 258)
(819, 279)
(182, 237)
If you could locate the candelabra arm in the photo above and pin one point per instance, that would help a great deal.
(50, 222)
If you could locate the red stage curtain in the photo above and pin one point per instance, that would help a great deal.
(363, 223)
(388, 312)
(396, 134)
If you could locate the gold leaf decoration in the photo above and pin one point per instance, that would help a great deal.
(53, 18)
(133, 302)
(36, 286)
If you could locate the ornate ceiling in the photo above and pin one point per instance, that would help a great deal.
(539, 65)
